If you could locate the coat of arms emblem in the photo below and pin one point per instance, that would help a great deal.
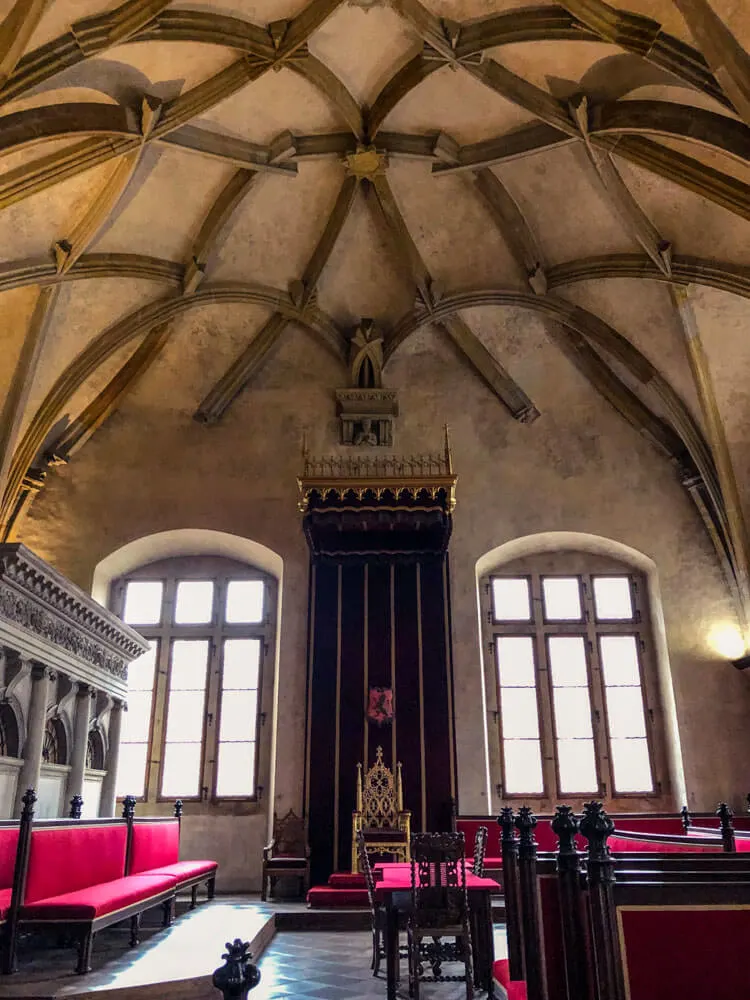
(380, 705)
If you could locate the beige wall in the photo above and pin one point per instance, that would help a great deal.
(580, 468)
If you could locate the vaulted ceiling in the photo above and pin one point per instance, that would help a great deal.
(418, 163)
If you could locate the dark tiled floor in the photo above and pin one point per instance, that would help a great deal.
(336, 966)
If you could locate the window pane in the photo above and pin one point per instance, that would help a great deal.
(143, 602)
(567, 656)
(194, 604)
(185, 716)
(523, 767)
(562, 598)
(181, 769)
(515, 660)
(577, 766)
(131, 769)
(238, 715)
(235, 773)
(136, 721)
(241, 663)
(631, 766)
(572, 712)
(510, 599)
(244, 601)
(189, 662)
(519, 713)
(612, 597)
(620, 660)
(141, 671)
(625, 712)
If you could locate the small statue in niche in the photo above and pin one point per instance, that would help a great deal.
(365, 435)
(367, 409)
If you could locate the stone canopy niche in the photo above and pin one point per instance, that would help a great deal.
(378, 529)
(367, 410)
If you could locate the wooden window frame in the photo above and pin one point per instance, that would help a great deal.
(216, 631)
(591, 629)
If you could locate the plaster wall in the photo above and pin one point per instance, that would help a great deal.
(579, 468)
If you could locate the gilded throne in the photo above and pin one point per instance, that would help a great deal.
(380, 813)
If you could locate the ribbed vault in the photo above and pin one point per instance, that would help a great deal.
(426, 164)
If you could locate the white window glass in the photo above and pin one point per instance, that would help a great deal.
(510, 599)
(576, 762)
(571, 698)
(612, 598)
(515, 660)
(185, 717)
(620, 659)
(136, 724)
(194, 603)
(523, 767)
(143, 602)
(519, 713)
(235, 770)
(562, 598)
(631, 765)
(625, 712)
(244, 601)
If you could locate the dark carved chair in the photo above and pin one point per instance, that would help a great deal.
(288, 853)
(377, 910)
(439, 910)
(480, 849)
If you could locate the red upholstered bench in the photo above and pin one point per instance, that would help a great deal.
(512, 989)
(75, 876)
(8, 848)
(155, 850)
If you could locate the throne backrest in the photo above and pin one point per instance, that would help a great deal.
(289, 836)
(380, 796)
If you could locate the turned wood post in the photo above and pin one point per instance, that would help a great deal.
(76, 807)
(128, 814)
(530, 917)
(238, 975)
(596, 826)
(725, 815)
(509, 845)
(10, 962)
(565, 826)
(685, 816)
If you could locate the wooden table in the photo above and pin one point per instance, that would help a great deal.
(393, 890)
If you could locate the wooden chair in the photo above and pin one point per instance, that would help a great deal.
(380, 815)
(288, 854)
(439, 910)
(480, 848)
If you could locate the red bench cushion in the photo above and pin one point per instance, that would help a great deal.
(5, 895)
(98, 900)
(8, 845)
(154, 845)
(183, 870)
(65, 859)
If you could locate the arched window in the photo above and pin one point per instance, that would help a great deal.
(55, 745)
(573, 668)
(8, 731)
(95, 751)
(191, 729)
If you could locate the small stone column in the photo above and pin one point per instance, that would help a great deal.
(80, 741)
(32, 749)
(107, 801)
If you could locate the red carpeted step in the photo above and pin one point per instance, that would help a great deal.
(346, 880)
(515, 990)
(323, 896)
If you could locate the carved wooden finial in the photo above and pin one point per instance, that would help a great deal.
(686, 821)
(128, 807)
(29, 801)
(725, 815)
(178, 808)
(238, 975)
(507, 821)
(565, 826)
(596, 826)
(76, 807)
(525, 823)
